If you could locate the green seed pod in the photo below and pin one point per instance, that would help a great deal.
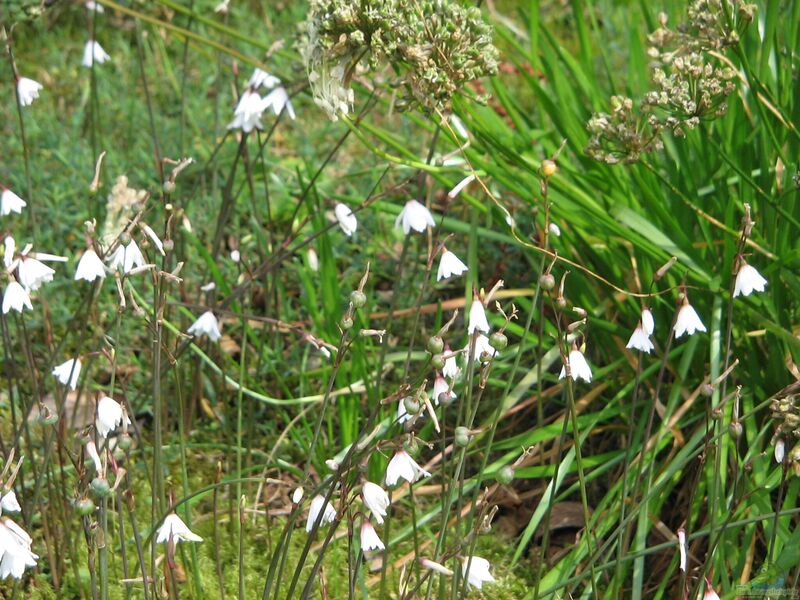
(435, 344)
(124, 442)
(547, 281)
(505, 475)
(100, 487)
(169, 186)
(461, 437)
(735, 430)
(411, 405)
(358, 298)
(437, 360)
(346, 323)
(84, 507)
(498, 341)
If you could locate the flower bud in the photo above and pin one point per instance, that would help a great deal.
(549, 168)
(358, 298)
(735, 430)
(169, 186)
(346, 323)
(547, 281)
(505, 475)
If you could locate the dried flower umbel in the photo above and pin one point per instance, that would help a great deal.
(434, 46)
(691, 84)
(785, 408)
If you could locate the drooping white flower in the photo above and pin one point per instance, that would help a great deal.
(414, 216)
(578, 367)
(32, 273)
(236, 256)
(91, 450)
(554, 229)
(402, 466)
(640, 340)
(441, 390)
(28, 90)
(478, 572)
(68, 372)
(10, 202)
(261, 78)
(157, 243)
(15, 297)
(375, 499)
(91, 5)
(780, 451)
(477, 318)
(92, 52)
(347, 220)
(90, 267)
(748, 280)
(450, 368)
(434, 566)
(9, 247)
(247, 115)
(206, 324)
(313, 259)
(318, 504)
(8, 502)
(277, 100)
(648, 323)
(710, 593)
(688, 321)
(369, 538)
(459, 187)
(450, 265)
(297, 494)
(482, 347)
(682, 548)
(109, 416)
(173, 528)
(126, 258)
(15, 549)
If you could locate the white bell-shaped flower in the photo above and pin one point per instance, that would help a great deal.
(32, 273)
(346, 218)
(477, 318)
(68, 372)
(442, 391)
(28, 90)
(261, 78)
(402, 466)
(648, 323)
(15, 298)
(207, 325)
(369, 537)
(9, 247)
(90, 267)
(451, 369)
(748, 280)
(687, 321)
(639, 340)
(476, 571)
(277, 100)
(15, 549)
(318, 504)
(414, 216)
(450, 265)
(9, 503)
(247, 115)
(375, 499)
(578, 367)
(92, 52)
(483, 349)
(173, 528)
(109, 416)
(10, 202)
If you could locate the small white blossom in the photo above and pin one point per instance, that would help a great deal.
(247, 115)
(109, 416)
(369, 538)
(478, 573)
(450, 265)
(68, 372)
(91, 450)
(313, 259)
(173, 528)
(482, 347)
(414, 216)
(434, 566)
(159, 245)
(450, 368)
(402, 466)
(28, 90)
(648, 323)
(206, 324)
(91, 5)
(236, 256)
(477, 318)
(780, 451)
(554, 229)
(441, 387)
(93, 51)
(127, 258)
(15, 549)
(375, 499)
(682, 548)
(9, 247)
(9, 503)
(347, 220)
(640, 340)
(32, 273)
(748, 280)
(688, 321)
(261, 78)
(15, 298)
(277, 100)
(10, 203)
(328, 512)
(578, 367)
(297, 495)
(90, 267)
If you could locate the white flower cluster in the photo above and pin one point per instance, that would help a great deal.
(251, 105)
